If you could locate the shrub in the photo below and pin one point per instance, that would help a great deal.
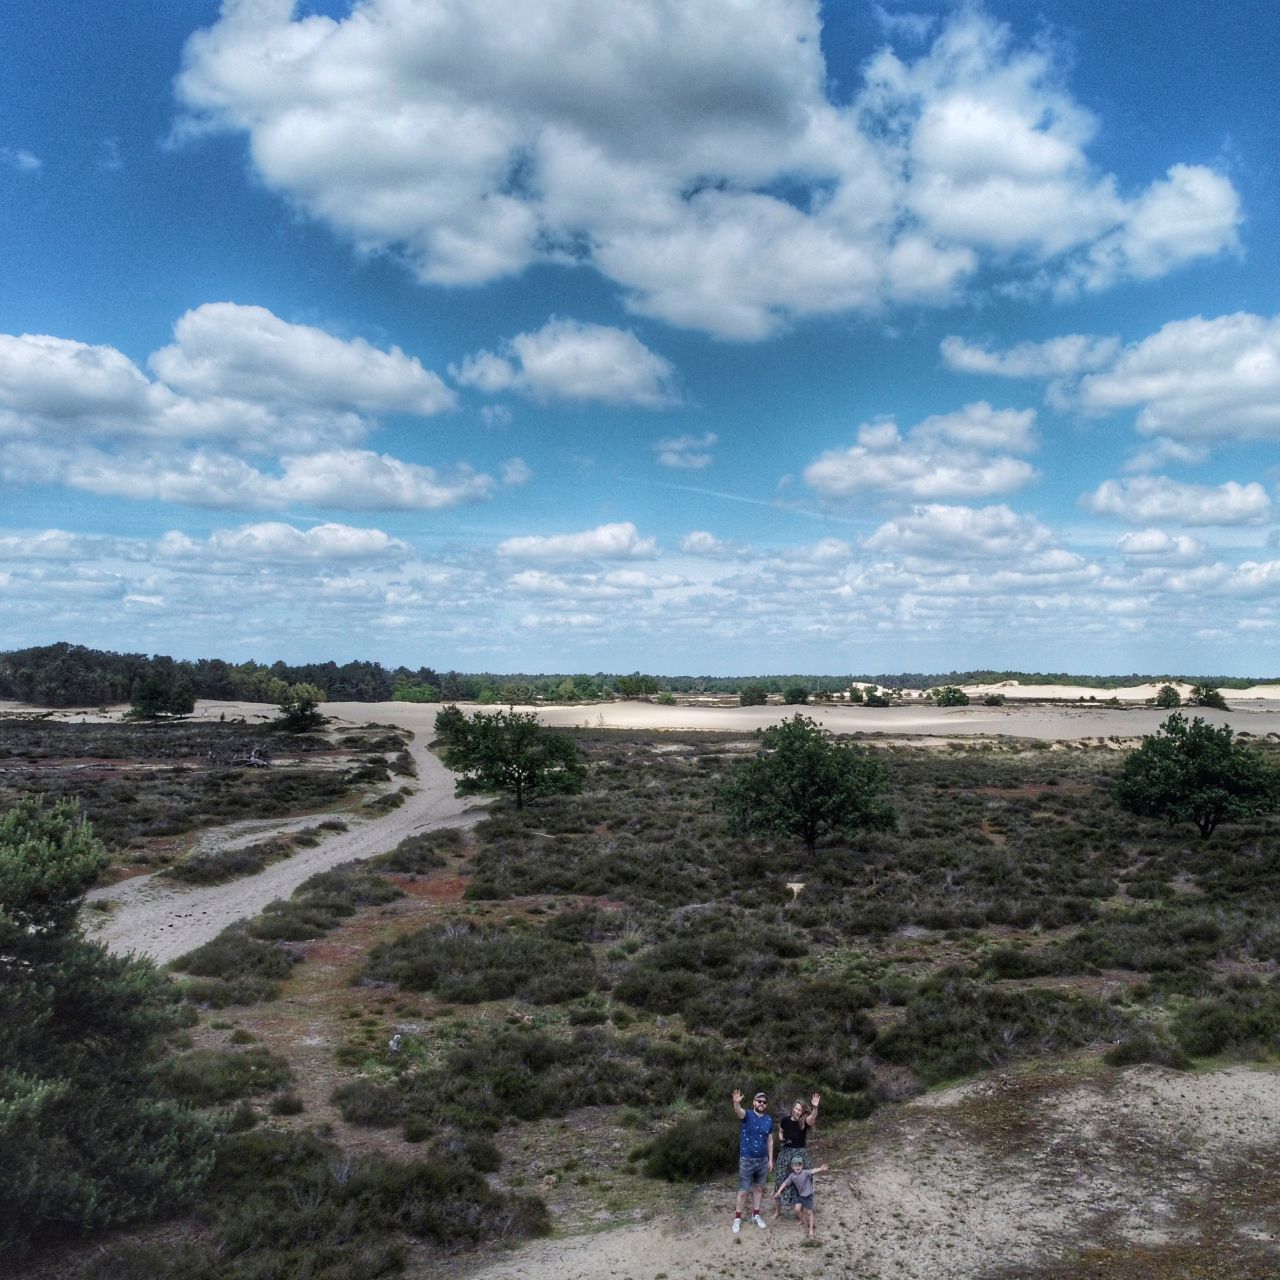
(286, 1104)
(695, 1150)
(467, 965)
(374, 1106)
(1145, 1045)
(420, 853)
(206, 1076)
(1244, 1020)
(951, 696)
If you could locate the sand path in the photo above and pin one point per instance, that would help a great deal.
(158, 917)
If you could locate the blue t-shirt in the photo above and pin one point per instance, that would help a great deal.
(753, 1136)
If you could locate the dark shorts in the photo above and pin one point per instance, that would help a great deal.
(805, 1202)
(752, 1172)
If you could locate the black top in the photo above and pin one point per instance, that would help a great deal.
(794, 1132)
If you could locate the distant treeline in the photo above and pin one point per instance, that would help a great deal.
(66, 675)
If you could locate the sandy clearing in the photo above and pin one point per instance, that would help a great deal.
(922, 1193)
(156, 917)
(1068, 722)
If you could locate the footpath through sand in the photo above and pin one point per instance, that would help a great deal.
(161, 918)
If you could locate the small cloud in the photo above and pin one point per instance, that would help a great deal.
(109, 159)
(573, 362)
(687, 453)
(701, 543)
(23, 161)
(515, 471)
(1154, 546)
(496, 415)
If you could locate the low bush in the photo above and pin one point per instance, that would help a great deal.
(1244, 1020)
(420, 853)
(694, 1150)
(464, 964)
(371, 1105)
(283, 1205)
(207, 1076)
(955, 1026)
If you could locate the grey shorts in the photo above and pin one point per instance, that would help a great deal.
(752, 1172)
(805, 1202)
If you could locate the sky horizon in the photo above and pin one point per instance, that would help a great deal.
(673, 336)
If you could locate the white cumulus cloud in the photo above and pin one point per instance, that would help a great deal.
(944, 456)
(574, 362)
(605, 542)
(244, 352)
(276, 541)
(1155, 546)
(654, 142)
(1147, 499)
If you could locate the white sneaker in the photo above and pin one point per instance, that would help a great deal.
(737, 1225)
(760, 1222)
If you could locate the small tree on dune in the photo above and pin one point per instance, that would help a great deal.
(1197, 773)
(950, 696)
(1168, 697)
(1207, 695)
(806, 785)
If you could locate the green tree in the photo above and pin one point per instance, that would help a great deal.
(161, 693)
(1167, 697)
(1207, 695)
(752, 694)
(805, 784)
(795, 695)
(1196, 773)
(950, 696)
(86, 1140)
(509, 751)
(299, 708)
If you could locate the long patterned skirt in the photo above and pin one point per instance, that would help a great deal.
(782, 1170)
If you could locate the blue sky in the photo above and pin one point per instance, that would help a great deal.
(681, 335)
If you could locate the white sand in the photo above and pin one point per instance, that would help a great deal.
(916, 1197)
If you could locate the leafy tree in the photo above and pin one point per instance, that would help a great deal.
(874, 698)
(448, 720)
(752, 694)
(855, 693)
(795, 695)
(299, 708)
(1168, 697)
(950, 696)
(412, 691)
(1207, 695)
(635, 685)
(86, 1140)
(510, 751)
(161, 693)
(807, 785)
(1196, 773)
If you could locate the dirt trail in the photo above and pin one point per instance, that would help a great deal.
(157, 917)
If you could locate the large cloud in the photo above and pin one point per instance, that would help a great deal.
(950, 455)
(344, 479)
(567, 360)
(237, 385)
(275, 541)
(620, 541)
(1197, 380)
(689, 150)
(959, 533)
(224, 349)
(1146, 499)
